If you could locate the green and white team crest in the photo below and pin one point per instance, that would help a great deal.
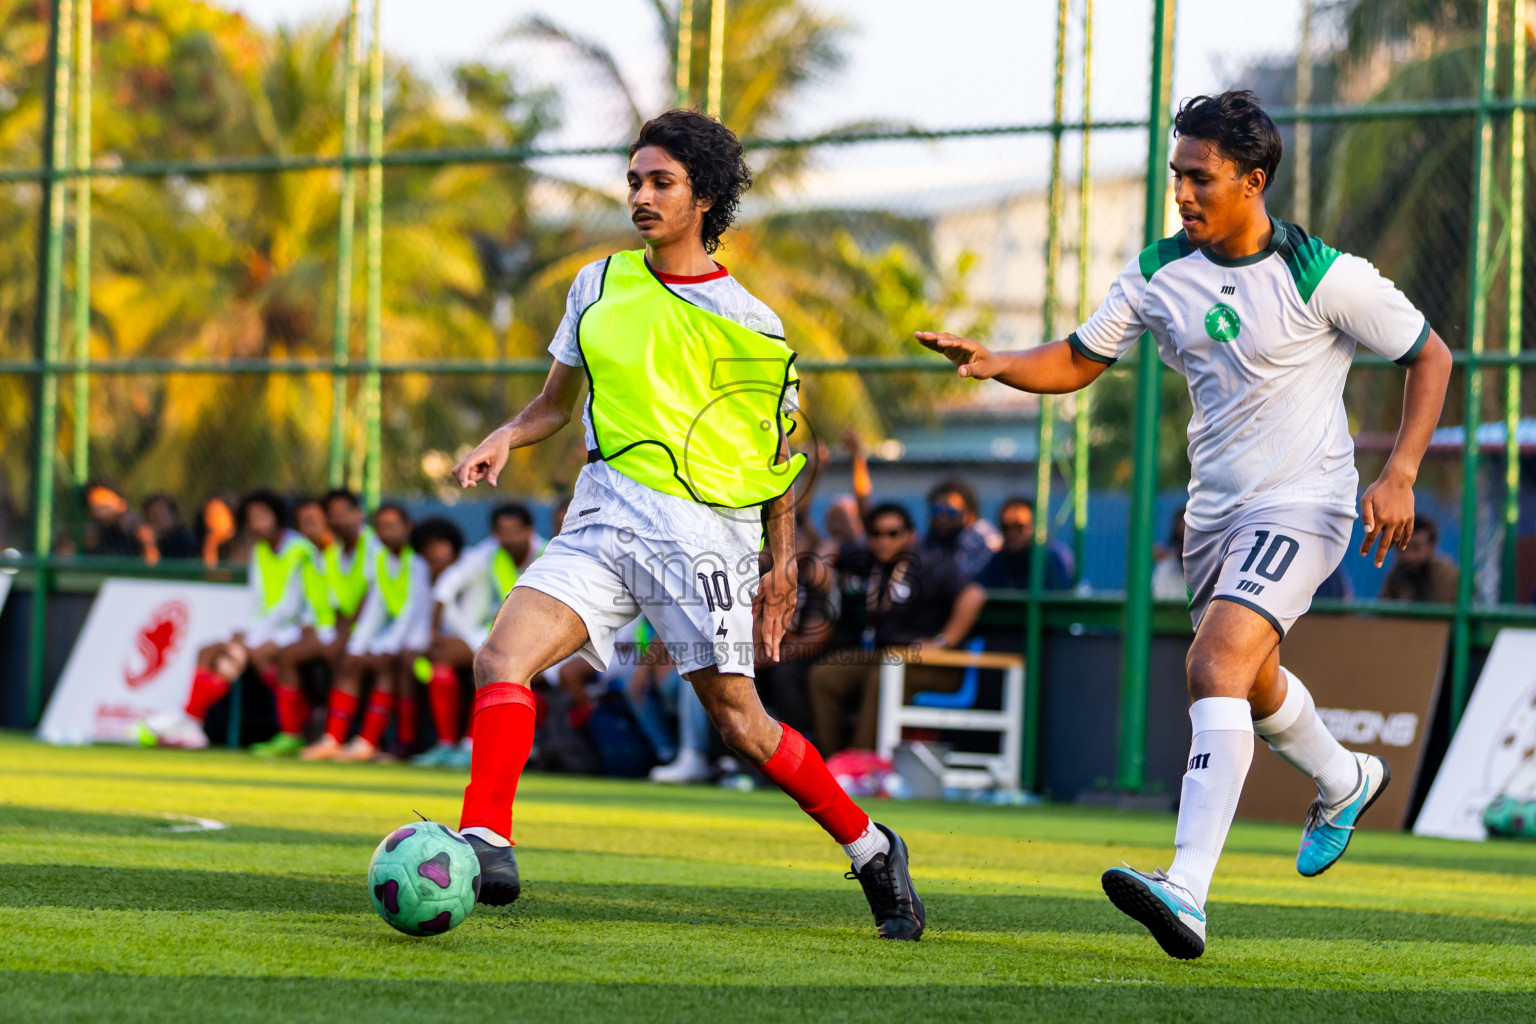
(1222, 323)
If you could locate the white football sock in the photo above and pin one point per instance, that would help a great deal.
(1219, 756)
(865, 848)
(484, 833)
(1298, 734)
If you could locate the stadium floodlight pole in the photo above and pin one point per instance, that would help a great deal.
(1514, 332)
(372, 399)
(50, 285)
(1081, 423)
(712, 102)
(1482, 189)
(1045, 431)
(342, 332)
(1137, 636)
(684, 54)
(82, 347)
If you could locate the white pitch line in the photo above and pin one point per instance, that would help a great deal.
(194, 824)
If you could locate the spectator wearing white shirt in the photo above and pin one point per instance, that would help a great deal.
(466, 598)
(399, 596)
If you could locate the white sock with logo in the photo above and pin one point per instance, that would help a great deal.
(1219, 756)
(867, 847)
(494, 838)
(1297, 733)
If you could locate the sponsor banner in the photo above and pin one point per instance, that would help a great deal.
(136, 654)
(1374, 682)
(1494, 750)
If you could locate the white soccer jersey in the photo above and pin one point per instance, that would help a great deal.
(1265, 342)
(603, 495)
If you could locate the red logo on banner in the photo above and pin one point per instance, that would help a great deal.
(157, 640)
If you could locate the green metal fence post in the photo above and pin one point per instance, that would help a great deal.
(1515, 338)
(713, 102)
(341, 340)
(50, 286)
(684, 94)
(373, 400)
(82, 350)
(1081, 422)
(1137, 638)
(1482, 189)
(1045, 428)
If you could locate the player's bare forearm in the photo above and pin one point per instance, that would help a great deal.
(1386, 507)
(966, 610)
(1055, 368)
(549, 411)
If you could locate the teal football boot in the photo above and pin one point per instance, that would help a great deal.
(1325, 836)
(1165, 908)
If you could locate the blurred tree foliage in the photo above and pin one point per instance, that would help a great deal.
(476, 257)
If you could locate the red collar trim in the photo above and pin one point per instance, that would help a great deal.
(713, 275)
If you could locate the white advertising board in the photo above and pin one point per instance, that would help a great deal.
(136, 655)
(1494, 749)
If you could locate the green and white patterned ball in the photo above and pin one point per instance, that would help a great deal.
(424, 878)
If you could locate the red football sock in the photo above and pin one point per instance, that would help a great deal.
(505, 717)
(407, 722)
(208, 688)
(443, 695)
(797, 768)
(380, 707)
(292, 710)
(339, 719)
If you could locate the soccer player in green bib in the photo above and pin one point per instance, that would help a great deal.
(691, 388)
(1263, 320)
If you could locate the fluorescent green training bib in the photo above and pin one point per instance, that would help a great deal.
(505, 572)
(275, 567)
(396, 589)
(347, 588)
(684, 400)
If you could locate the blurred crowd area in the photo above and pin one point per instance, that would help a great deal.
(365, 626)
(884, 201)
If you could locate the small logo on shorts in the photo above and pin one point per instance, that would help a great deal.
(1222, 323)
(721, 631)
(1250, 587)
(589, 511)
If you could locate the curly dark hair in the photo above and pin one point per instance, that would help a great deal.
(711, 154)
(1238, 126)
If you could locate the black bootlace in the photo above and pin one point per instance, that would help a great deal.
(880, 884)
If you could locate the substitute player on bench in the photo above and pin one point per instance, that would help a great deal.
(1263, 321)
(691, 386)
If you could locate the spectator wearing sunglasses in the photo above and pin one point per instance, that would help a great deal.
(1008, 569)
(955, 533)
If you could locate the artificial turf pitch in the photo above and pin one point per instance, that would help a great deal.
(645, 904)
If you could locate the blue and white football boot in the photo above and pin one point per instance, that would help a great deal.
(1325, 836)
(1166, 909)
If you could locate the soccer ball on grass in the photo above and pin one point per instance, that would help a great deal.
(424, 878)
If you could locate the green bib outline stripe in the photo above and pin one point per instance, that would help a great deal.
(729, 451)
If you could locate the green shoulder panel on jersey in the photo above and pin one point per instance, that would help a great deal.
(1163, 252)
(1307, 258)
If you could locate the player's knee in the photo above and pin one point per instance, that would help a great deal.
(1203, 669)
(746, 734)
(495, 664)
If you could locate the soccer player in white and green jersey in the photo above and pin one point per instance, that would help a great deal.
(1262, 320)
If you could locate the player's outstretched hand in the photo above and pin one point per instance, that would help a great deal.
(1386, 512)
(972, 357)
(485, 462)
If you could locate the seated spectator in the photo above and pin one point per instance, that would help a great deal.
(163, 533)
(1419, 572)
(909, 602)
(1168, 574)
(1336, 585)
(220, 540)
(439, 542)
(110, 528)
(276, 581)
(954, 531)
(1009, 568)
(399, 595)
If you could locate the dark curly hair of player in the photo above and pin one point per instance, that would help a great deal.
(1239, 127)
(711, 154)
